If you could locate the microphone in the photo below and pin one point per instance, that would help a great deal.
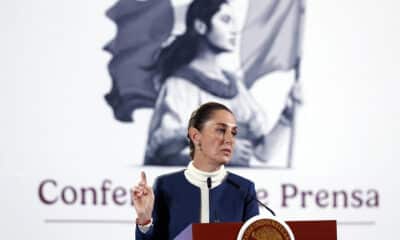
(252, 198)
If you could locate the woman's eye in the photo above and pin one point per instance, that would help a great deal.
(234, 133)
(221, 130)
(226, 18)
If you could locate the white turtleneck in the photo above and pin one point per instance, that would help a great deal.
(199, 179)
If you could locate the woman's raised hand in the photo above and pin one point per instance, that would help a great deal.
(143, 200)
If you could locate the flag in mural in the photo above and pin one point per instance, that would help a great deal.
(142, 26)
(271, 37)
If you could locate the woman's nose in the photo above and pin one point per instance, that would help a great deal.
(229, 137)
(234, 32)
(234, 28)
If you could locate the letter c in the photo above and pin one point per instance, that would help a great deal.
(41, 192)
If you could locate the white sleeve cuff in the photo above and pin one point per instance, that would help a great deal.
(145, 228)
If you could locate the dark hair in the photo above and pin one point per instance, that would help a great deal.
(202, 115)
(185, 47)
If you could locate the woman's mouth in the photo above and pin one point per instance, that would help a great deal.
(227, 151)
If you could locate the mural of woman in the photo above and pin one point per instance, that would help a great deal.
(164, 57)
(189, 75)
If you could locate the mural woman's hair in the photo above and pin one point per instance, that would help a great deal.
(186, 46)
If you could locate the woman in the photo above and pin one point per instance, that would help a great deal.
(205, 191)
(189, 76)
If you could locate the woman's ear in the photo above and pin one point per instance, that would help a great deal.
(194, 135)
(200, 27)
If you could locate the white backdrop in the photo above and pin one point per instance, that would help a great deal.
(56, 126)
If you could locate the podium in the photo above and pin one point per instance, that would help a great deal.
(302, 230)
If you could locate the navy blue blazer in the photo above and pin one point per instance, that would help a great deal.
(177, 204)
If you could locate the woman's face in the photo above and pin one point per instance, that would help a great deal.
(217, 137)
(223, 32)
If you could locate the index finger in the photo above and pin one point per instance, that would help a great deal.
(143, 179)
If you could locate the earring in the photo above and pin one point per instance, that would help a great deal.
(199, 145)
(200, 27)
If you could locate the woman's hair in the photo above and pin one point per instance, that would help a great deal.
(202, 115)
(185, 47)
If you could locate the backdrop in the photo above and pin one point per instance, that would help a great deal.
(66, 164)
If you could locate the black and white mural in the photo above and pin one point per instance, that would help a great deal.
(172, 56)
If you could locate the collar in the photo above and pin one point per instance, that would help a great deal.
(199, 178)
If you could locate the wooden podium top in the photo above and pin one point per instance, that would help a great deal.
(310, 230)
(302, 230)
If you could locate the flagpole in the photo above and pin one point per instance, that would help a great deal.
(297, 80)
(293, 120)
